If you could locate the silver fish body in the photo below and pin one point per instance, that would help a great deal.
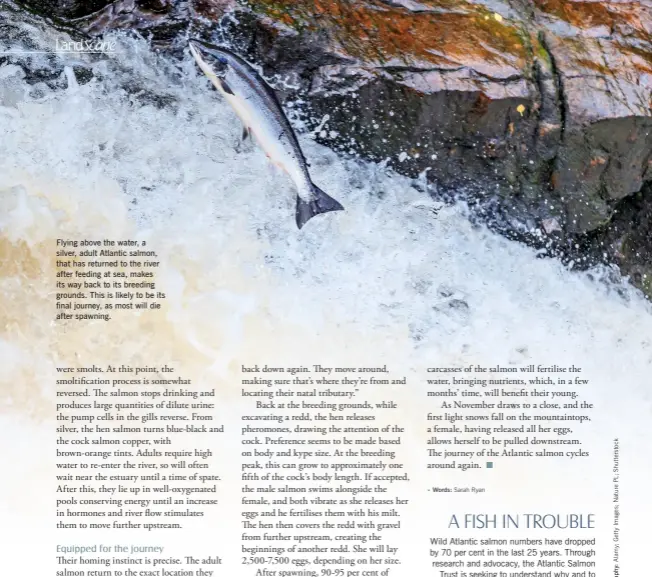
(257, 106)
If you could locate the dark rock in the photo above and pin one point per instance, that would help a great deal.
(65, 9)
(82, 75)
(628, 238)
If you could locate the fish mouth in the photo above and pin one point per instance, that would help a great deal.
(196, 42)
(207, 49)
(210, 59)
(197, 48)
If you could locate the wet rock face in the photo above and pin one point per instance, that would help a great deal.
(67, 9)
(603, 57)
(540, 110)
(444, 86)
(628, 238)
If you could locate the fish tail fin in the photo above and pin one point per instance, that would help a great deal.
(319, 204)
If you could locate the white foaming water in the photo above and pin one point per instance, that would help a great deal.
(95, 161)
(385, 282)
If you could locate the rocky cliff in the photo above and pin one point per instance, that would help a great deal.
(538, 111)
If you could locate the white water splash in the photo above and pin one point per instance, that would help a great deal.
(96, 160)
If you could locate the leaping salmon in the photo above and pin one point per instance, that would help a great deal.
(257, 106)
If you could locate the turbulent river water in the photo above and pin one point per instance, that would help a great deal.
(146, 150)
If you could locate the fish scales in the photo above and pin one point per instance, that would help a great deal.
(262, 115)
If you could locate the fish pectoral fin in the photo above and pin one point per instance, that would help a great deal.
(246, 133)
(226, 87)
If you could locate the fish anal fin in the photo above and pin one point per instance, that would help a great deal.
(319, 204)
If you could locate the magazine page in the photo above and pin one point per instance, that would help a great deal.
(325, 289)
